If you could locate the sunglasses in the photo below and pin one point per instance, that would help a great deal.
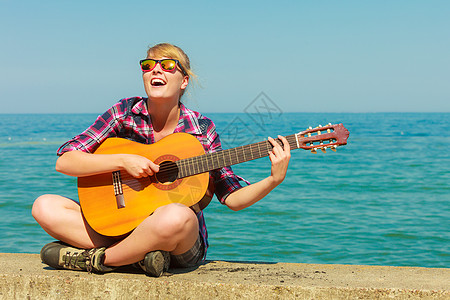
(167, 64)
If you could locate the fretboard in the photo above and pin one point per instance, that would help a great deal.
(212, 161)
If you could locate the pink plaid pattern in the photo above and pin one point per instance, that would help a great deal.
(129, 118)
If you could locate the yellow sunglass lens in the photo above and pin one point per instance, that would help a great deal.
(168, 64)
(147, 65)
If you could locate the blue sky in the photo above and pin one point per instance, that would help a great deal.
(306, 56)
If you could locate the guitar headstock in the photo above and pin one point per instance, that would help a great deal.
(322, 137)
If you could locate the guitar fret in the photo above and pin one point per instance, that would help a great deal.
(207, 166)
(203, 165)
(230, 159)
(194, 165)
(180, 171)
(181, 168)
(191, 167)
(185, 167)
(217, 160)
(223, 158)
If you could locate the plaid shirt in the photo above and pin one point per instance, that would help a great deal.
(129, 118)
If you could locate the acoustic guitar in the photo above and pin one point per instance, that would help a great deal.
(116, 203)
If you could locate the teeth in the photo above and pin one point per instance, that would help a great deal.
(157, 81)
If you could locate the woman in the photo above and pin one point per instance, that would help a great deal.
(174, 234)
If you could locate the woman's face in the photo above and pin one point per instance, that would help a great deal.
(164, 85)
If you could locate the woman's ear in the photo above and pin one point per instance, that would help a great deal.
(185, 82)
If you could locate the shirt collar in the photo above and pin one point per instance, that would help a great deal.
(141, 107)
(188, 121)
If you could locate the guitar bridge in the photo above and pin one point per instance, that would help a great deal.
(118, 191)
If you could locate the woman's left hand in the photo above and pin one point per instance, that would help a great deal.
(279, 156)
(250, 194)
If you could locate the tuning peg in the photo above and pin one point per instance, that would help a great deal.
(313, 150)
(324, 149)
(333, 148)
(329, 124)
(309, 128)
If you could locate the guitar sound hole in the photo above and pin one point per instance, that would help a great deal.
(168, 172)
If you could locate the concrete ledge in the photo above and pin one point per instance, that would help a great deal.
(23, 276)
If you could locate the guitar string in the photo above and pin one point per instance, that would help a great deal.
(239, 154)
(191, 161)
(131, 182)
(234, 155)
(239, 151)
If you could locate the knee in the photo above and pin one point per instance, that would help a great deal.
(176, 219)
(41, 208)
(38, 206)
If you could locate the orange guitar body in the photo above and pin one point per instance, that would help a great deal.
(113, 215)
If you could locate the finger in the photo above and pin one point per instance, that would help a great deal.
(140, 174)
(272, 156)
(274, 142)
(279, 150)
(276, 147)
(273, 159)
(148, 172)
(286, 146)
(154, 167)
(150, 169)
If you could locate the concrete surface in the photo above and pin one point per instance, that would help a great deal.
(23, 276)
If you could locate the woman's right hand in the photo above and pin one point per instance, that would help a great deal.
(138, 166)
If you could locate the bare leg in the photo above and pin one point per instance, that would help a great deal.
(61, 218)
(172, 228)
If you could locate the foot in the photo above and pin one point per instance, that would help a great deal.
(155, 263)
(59, 255)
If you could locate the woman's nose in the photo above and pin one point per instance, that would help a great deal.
(157, 68)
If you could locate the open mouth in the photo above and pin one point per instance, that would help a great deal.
(157, 82)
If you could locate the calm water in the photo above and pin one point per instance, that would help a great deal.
(381, 200)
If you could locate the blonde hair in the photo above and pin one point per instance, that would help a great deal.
(171, 51)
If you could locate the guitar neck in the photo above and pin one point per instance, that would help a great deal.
(212, 161)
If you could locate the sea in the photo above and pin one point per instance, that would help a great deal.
(382, 199)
